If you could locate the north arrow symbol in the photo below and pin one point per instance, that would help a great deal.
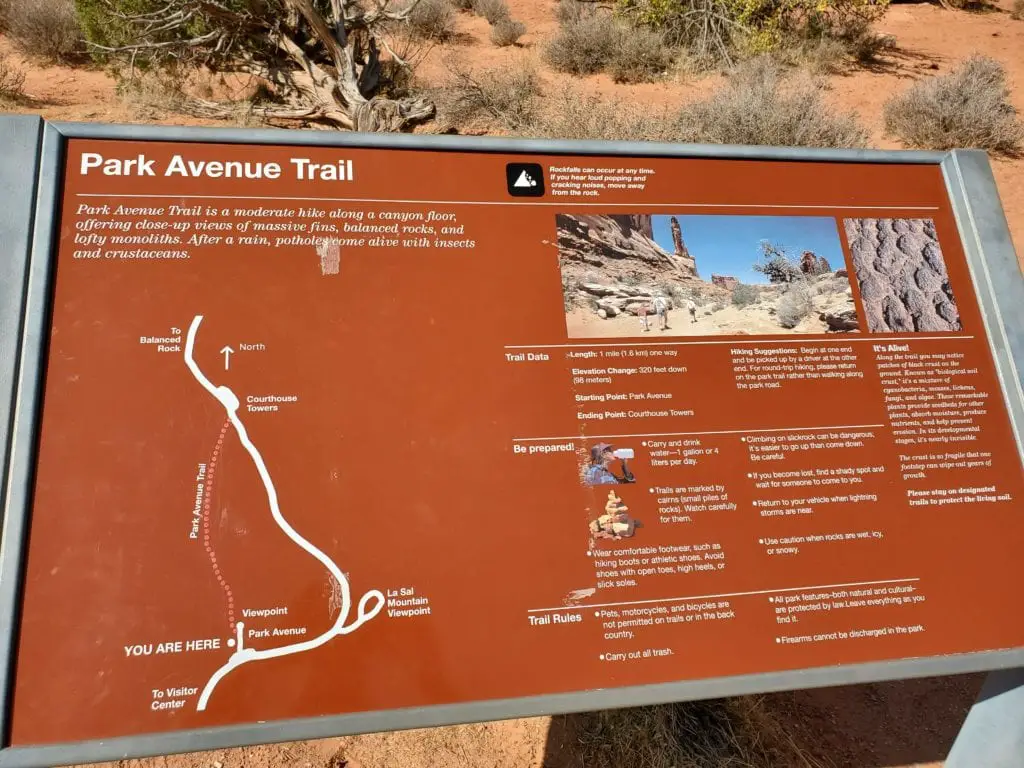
(227, 352)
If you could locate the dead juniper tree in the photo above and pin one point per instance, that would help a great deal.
(325, 61)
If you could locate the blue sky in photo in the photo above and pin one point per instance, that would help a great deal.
(730, 245)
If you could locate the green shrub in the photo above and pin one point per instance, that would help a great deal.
(48, 28)
(970, 107)
(507, 32)
(744, 295)
(759, 106)
(432, 20)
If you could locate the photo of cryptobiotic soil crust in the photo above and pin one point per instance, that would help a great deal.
(902, 276)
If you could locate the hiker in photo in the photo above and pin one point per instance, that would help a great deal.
(642, 313)
(661, 310)
(598, 472)
(692, 309)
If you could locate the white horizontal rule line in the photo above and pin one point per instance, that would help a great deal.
(681, 434)
(567, 203)
(724, 594)
(795, 339)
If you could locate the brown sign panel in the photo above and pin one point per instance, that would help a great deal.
(329, 431)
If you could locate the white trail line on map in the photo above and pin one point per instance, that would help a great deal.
(243, 655)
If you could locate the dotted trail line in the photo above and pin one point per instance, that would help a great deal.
(211, 473)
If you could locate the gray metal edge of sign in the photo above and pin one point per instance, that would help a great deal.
(995, 269)
(985, 237)
(20, 137)
(22, 437)
(487, 144)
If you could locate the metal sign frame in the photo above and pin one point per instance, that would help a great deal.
(31, 181)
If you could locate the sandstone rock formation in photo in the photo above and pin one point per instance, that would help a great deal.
(620, 247)
(902, 275)
(725, 281)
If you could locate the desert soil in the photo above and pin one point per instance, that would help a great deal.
(868, 726)
(756, 319)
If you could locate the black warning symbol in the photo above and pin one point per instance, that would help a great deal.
(524, 179)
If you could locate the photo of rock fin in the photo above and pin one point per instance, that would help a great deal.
(902, 276)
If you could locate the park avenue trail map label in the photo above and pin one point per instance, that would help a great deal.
(339, 430)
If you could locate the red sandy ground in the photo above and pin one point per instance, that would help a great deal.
(905, 724)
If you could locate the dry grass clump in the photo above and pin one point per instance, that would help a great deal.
(12, 82)
(970, 107)
(835, 48)
(759, 105)
(640, 55)
(47, 28)
(432, 20)
(492, 10)
(744, 295)
(571, 115)
(583, 45)
(589, 42)
(795, 304)
(728, 732)
(507, 32)
(1018, 10)
(502, 98)
(152, 95)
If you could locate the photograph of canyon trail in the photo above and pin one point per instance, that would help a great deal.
(712, 275)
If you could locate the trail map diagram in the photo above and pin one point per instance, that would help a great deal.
(370, 603)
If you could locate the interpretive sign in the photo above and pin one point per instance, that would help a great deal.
(343, 433)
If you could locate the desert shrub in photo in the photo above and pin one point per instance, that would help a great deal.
(969, 107)
(504, 98)
(744, 295)
(48, 28)
(492, 10)
(795, 304)
(1018, 10)
(507, 32)
(640, 55)
(760, 105)
(583, 46)
(432, 20)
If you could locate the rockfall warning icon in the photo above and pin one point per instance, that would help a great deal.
(524, 179)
